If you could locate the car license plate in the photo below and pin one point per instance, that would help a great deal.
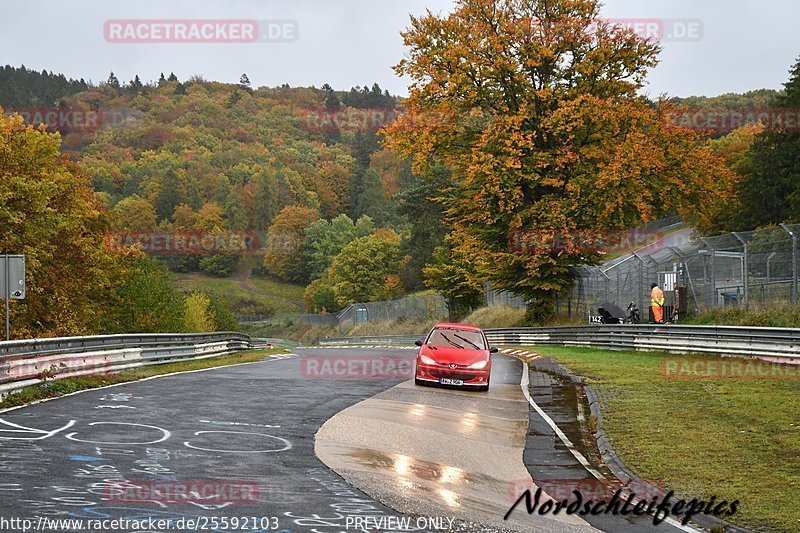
(445, 381)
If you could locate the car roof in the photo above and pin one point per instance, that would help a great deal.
(449, 325)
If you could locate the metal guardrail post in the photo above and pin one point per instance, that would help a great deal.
(793, 235)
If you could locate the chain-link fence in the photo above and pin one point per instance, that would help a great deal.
(426, 306)
(753, 268)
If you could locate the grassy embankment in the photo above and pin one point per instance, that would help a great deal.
(776, 316)
(248, 295)
(734, 438)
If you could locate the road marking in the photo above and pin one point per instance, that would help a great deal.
(42, 434)
(524, 384)
(165, 436)
(286, 443)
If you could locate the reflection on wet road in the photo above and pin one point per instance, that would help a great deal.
(441, 451)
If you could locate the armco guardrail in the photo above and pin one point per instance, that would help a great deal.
(780, 345)
(33, 361)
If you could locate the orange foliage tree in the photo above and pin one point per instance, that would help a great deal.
(534, 106)
(48, 213)
(285, 244)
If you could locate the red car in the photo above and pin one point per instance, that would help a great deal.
(454, 354)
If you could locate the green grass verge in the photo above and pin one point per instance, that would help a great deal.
(734, 438)
(255, 293)
(777, 315)
(60, 387)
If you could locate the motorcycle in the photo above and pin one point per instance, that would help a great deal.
(634, 316)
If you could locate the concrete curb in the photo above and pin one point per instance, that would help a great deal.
(610, 458)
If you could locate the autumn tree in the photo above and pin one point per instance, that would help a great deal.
(454, 275)
(134, 214)
(324, 240)
(366, 269)
(141, 299)
(197, 313)
(285, 243)
(75, 285)
(319, 296)
(534, 107)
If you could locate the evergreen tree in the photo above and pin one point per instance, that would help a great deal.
(136, 84)
(770, 188)
(113, 81)
(332, 101)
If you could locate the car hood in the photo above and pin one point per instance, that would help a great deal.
(447, 355)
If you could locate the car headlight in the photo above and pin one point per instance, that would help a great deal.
(426, 360)
(478, 365)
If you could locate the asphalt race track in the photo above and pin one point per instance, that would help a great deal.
(246, 423)
(240, 437)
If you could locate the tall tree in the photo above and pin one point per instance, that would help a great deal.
(533, 105)
(770, 188)
(113, 81)
(366, 268)
(285, 244)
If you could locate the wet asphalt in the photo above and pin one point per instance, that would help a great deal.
(251, 425)
(241, 437)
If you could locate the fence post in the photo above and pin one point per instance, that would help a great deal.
(608, 281)
(794, 261)
(745, 275)
(713, 292)
(642, 282)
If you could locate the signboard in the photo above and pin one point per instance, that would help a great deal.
(595, 320)
(16, 277)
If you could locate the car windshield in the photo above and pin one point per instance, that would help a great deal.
(459, 338)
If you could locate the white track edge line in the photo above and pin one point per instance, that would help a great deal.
(524, 383)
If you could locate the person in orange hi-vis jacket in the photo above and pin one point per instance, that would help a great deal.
(657, 302)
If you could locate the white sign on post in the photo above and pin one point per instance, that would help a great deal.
(15, 277)
(12, 282)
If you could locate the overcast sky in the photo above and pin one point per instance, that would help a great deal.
(744, 44)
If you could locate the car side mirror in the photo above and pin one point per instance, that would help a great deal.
(418, 342)
(493, 349)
